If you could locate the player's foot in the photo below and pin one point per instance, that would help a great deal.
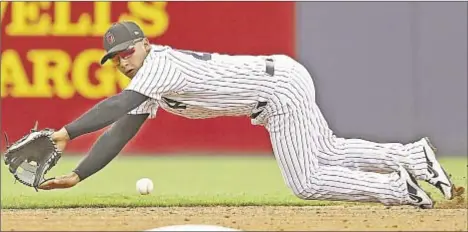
(416, 195)
(437, 175)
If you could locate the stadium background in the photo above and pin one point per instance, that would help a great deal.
(396, 77)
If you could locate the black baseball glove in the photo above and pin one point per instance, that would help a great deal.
(32, 156)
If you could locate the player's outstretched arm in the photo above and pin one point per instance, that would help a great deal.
(104, 113)
(106, 148)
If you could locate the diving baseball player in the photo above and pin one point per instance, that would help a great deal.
(276, 92)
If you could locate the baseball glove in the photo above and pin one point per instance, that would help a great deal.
(32, 156)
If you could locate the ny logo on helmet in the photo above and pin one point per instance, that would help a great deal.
(110, 38)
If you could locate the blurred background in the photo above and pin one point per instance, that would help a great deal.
(384, 71)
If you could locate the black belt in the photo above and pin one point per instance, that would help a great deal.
(270, 70)
(270, 66)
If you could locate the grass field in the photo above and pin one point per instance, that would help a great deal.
(178, 181)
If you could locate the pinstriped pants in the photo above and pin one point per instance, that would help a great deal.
(316, 164)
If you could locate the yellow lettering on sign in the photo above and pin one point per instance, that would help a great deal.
(26, 19)
(14, 76)
(151, 16)
(3, 8)
(51, 65)
(55, 74)
(62, 21)
(102, 18)
(81, 80)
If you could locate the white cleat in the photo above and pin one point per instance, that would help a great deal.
(416, 195)
(437, 175)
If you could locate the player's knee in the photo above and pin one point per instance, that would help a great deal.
(305, 193)
(302, 195)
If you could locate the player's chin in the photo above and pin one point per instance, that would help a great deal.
(130, 74)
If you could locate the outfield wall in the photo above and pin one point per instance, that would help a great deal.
(50, 53)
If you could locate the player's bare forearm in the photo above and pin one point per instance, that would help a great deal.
(104, 113)
(109, 144)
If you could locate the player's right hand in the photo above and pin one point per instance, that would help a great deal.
(61, 182)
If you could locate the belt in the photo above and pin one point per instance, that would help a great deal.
(270, 70)
(270, 66)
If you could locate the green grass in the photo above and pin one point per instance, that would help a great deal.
(178, 181)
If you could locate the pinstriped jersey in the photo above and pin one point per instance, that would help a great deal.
(201, 85)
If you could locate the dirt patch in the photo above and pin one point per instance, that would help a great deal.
(243, 218)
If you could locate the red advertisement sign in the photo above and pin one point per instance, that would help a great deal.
(50, 70)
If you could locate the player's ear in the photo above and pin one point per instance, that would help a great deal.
(146, 44)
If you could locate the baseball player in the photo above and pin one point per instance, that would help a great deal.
(276, 92)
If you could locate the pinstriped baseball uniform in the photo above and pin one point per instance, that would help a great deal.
(278, 93)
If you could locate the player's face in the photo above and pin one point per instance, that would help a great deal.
(129, 61)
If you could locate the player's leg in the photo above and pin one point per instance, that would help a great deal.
(370, 156)
(295, 152)
(418, 158)
(291, 132)
(361, 154)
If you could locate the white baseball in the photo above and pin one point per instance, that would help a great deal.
(144, 186)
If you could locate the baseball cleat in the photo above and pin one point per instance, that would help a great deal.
(416, 195)
(437, 175)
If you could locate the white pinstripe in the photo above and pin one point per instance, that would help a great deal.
(314, 163)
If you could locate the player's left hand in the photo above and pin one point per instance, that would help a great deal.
(61, 182)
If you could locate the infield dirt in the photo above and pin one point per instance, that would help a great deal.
(444, 218)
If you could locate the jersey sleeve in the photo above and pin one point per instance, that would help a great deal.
(149, 106)
(157, 76)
